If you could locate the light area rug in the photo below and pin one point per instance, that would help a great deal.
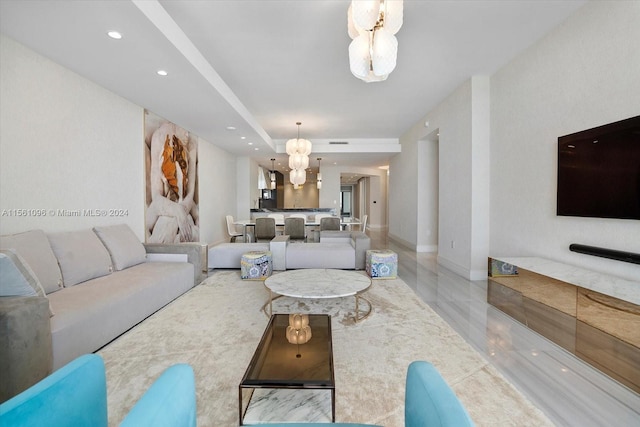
(216, 326)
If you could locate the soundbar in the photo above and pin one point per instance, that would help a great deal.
(606, 253)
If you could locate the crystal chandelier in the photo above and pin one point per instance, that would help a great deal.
(298, 151)
(372, 24)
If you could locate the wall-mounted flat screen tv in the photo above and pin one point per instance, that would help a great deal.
(599, 171)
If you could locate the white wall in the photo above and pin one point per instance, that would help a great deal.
(67, 143)
(216, 180)
(462, 166)
(480, 176)
(247, 193)
(427, 227)
(584, 74)
(498, 141)
(329, 195)
(403, 189)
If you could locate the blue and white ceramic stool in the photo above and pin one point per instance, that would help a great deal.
(256, 265)
(382, 264)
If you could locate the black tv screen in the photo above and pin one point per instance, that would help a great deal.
(599, 171)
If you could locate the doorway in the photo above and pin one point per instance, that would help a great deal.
(346, 200)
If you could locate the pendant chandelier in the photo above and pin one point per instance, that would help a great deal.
(298, 151)
(272, 175)
(372, 24)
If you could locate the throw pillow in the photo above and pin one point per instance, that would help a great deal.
(34, 247)
(123, 245)
(81, 256)
(17, 279)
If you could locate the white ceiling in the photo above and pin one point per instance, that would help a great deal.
(263, 65)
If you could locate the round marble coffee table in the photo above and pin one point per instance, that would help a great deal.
(317, 284)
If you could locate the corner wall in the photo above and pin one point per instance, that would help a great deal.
(504, 131)
(463, 181)
(67, 144)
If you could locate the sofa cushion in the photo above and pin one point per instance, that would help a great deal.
(334, 236)
(123, 245)
(93, 313)
(81, 256)
(17, 279)
(320, 255)
(34, 247)
(228, 255)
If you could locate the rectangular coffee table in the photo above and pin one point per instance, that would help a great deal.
(275, 364)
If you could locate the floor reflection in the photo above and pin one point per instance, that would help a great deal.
(569, 391)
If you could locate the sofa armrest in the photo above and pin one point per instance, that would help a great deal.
(196, 254)
(361, 243)
(26, 354)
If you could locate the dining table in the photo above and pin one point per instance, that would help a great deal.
(346, 223)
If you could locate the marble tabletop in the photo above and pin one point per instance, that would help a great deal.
(616, 287)
(318, 283)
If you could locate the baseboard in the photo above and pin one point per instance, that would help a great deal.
(462, 271)
(376, 227)
(427, 248)
(401, 241)
(478, 274)
(450, 265)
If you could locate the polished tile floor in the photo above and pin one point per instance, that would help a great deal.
(569, 391)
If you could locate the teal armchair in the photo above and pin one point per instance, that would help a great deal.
(76, 396)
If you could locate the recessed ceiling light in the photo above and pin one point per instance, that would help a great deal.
(250, 143)
(256, 148)
(231, 128)
(114, 35)
(243, 137)
(162, 73)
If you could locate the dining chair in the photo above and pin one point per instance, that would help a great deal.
(294, 228)
(318, 219)
(330, 223)
(299, 215)
(265, 229)
(279, 220)
(232, 230)
(363, 226)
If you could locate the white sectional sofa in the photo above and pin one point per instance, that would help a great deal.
(98, 283)
(339, 249)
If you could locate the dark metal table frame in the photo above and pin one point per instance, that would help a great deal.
(274, 337)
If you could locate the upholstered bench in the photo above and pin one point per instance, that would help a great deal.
(227, 255)
(256, 265)
(382, 264)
